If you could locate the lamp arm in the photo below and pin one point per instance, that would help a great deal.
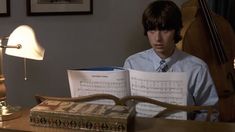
(18, 46)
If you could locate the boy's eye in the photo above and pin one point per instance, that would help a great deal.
(164, 31)
(151, 31)
(154, 31)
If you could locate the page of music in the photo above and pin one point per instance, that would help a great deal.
(170, 87)
(85, 82)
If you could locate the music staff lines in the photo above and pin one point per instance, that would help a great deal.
(102, 84)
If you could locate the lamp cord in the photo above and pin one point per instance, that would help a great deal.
(25, 71)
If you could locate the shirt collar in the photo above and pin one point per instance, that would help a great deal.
(156, 59)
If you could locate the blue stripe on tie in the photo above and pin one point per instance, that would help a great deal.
(163, 66)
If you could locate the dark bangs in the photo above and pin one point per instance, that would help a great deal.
(160, 23)
(162, 17)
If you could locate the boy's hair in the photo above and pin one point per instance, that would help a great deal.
(163, 15)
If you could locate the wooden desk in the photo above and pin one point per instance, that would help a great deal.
(140, 125)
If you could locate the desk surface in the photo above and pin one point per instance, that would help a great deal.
(140, 125)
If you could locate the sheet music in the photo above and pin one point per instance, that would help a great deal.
(170, 87)
(84, 82)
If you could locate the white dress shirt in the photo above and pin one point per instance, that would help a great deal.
(201, 88)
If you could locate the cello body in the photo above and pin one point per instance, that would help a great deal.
(215, 44)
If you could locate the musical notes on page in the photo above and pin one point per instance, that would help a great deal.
(170, 87)
(85, 82)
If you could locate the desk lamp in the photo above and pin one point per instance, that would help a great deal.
(21, 43)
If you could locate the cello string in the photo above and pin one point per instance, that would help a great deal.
(214, 33)
(208, 22)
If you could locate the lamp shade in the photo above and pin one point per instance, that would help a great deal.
(29, 47)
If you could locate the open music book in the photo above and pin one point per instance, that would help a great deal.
(170, 87)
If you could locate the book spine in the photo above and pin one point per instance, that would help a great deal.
(77, 122)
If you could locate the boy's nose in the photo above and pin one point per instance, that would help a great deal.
(158, 35)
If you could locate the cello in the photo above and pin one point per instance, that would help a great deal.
(211, 38)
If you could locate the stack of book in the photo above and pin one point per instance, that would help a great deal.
(85, 116)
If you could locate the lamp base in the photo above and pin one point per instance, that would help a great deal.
(8, 112)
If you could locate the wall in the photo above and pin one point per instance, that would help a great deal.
(105, 38)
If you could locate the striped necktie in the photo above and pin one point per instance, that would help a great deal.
(163, 66)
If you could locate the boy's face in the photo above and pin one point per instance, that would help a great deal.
(162, 41)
